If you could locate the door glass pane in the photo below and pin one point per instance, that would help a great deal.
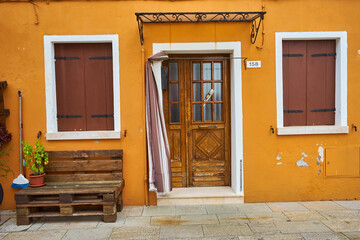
(206, 71)
(207, 112)
(196, 71)
(218, 111)
(206, 90)
(173, 71)
(217, 91)
(196, 92)
(174, 113)
(197, 112)
(217, 71)
(174, 92)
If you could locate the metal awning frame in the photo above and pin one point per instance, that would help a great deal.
(201, 17)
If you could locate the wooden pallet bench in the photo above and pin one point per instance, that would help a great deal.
(79, 183)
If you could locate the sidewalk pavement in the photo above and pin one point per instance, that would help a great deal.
(259, 221)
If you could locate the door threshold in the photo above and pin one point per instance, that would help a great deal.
(199, 195)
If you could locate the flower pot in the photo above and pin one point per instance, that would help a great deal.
(37, 180)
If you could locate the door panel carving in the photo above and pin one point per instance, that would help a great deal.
(199, 127)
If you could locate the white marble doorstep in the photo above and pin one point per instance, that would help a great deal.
(200, 192)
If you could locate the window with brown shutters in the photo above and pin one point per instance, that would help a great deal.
(84, 86)
(309, 82)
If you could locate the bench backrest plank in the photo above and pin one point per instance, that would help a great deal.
(87, 154)
(84, 165)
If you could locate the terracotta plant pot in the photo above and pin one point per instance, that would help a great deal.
(37, 180)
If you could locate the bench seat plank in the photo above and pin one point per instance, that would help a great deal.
(75, 189)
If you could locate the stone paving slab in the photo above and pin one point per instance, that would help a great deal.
(253, 207)
(36, 235)
(181, 231)
(37, 223)
(339, 225)
(136, 233)
(226, 230)
(323, 236)
(304, 216)
(199, 219)
(4, 218)
(349, 204)
(2, 235)
(87, 234)
(120, 221)
(184, 220)
(287, 207)
(266, 216)
(302, 227)
(159, 211)
(264, 228)
(131, 211)
(345, 214)
(10, 226)
(70, 223)
(214, 238)
(322, 206)
(10, 213)
(273, 237)
(190, 210)
(165, 221)
(272, 221)
(137, 222)
(352, 235)
(232, 218)
(223, 208)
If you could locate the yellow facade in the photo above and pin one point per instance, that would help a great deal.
(23, 26)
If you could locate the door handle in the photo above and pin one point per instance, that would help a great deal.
(208, 126)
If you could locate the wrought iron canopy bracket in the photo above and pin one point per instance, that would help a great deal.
(201, 17)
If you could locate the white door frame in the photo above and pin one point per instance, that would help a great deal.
(234, 48)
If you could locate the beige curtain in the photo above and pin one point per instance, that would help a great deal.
(157, 143)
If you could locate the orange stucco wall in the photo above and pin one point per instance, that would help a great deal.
(22, 66)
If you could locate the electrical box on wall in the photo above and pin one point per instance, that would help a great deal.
(342, 161)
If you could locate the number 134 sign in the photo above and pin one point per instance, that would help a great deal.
(253, 64)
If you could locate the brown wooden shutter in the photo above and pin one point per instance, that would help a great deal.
(70, 89)
(321, 82)
(294, 83)
(309, 82)
(84, 82)
(99, 86)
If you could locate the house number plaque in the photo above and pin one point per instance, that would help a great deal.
(253, 64)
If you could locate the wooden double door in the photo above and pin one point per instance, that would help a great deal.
(196, 102)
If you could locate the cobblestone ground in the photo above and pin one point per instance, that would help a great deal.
(278, 221)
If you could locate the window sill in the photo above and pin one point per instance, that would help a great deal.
(83, 135)
(304, 130)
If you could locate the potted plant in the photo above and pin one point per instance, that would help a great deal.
(5, 137)
(35, 159)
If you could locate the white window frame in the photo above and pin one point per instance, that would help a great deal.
(50, 87)
(340, 83)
